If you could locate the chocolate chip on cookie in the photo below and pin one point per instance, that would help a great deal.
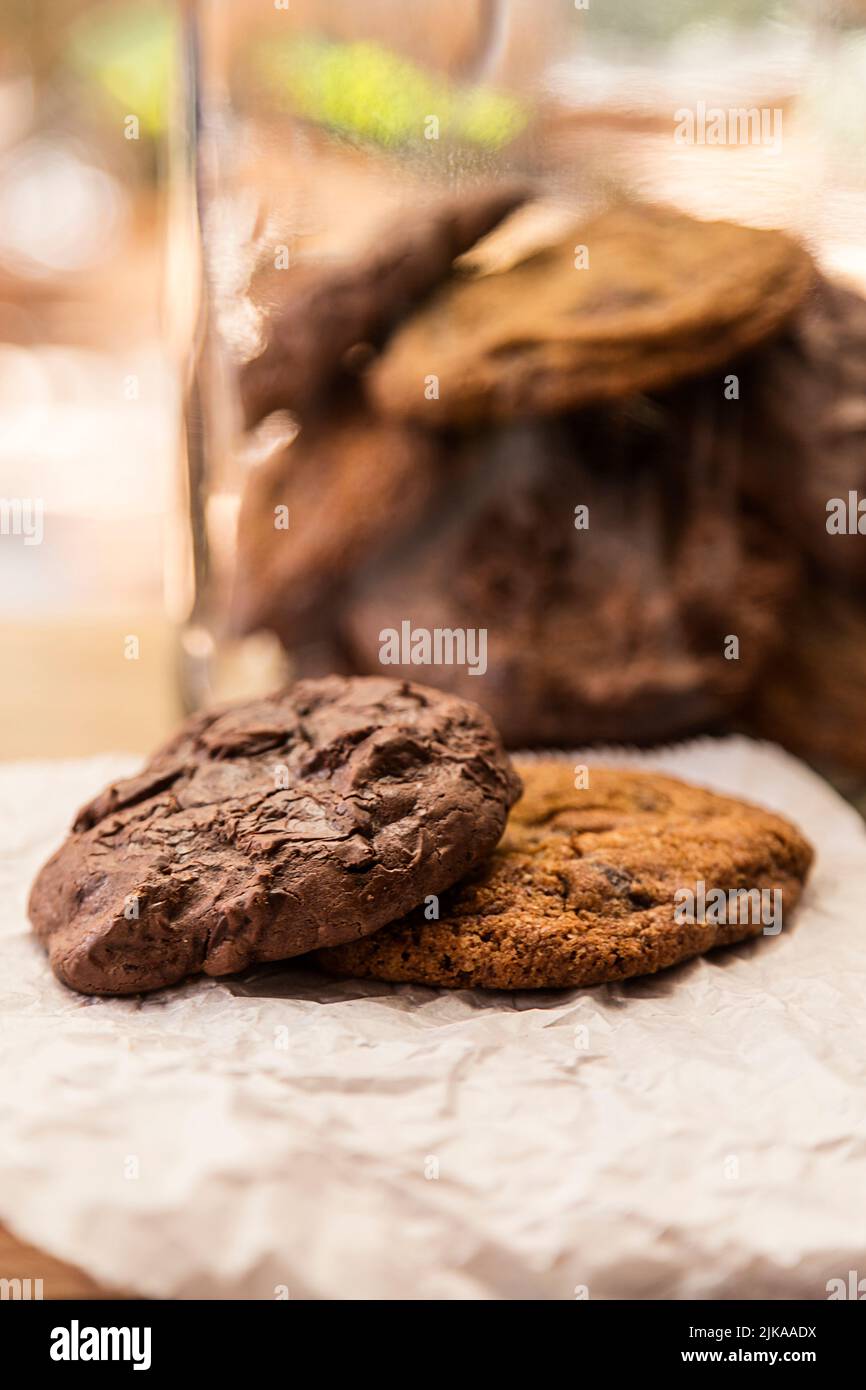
(272, 828)
(634, 300)
(592, 885)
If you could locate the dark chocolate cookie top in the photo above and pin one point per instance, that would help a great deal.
(262, 831)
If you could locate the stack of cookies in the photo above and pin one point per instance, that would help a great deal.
(610, 449)
(807, 433)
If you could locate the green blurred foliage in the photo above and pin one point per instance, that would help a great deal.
(365, 91)
(126, 50)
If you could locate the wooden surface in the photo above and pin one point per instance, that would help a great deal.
(70, 691)
(20, 1261)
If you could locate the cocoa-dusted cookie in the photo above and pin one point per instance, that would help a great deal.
(589, 886)
(653, 620)
(655, 297)
(269, 829)
(329, 310)
(318, 509)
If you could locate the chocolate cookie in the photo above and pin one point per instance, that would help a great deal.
(589, 886)
(806, 430)
(313, 513)
(811, 697)
(266, 830)
(652, 298)
(653, 620)
(329, 310)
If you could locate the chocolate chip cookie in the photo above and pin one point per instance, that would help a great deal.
(593, 885)
(634, 300)
(272, 828)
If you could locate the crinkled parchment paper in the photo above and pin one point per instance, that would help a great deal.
(696, 1134)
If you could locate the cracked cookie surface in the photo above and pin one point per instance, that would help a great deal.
(270, 829)
(581, 889)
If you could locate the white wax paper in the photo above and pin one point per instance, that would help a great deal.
(699, 1133)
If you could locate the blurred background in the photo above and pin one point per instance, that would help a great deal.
(98, 276)
(88, 387)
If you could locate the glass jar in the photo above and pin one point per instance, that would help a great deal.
(530, 361)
